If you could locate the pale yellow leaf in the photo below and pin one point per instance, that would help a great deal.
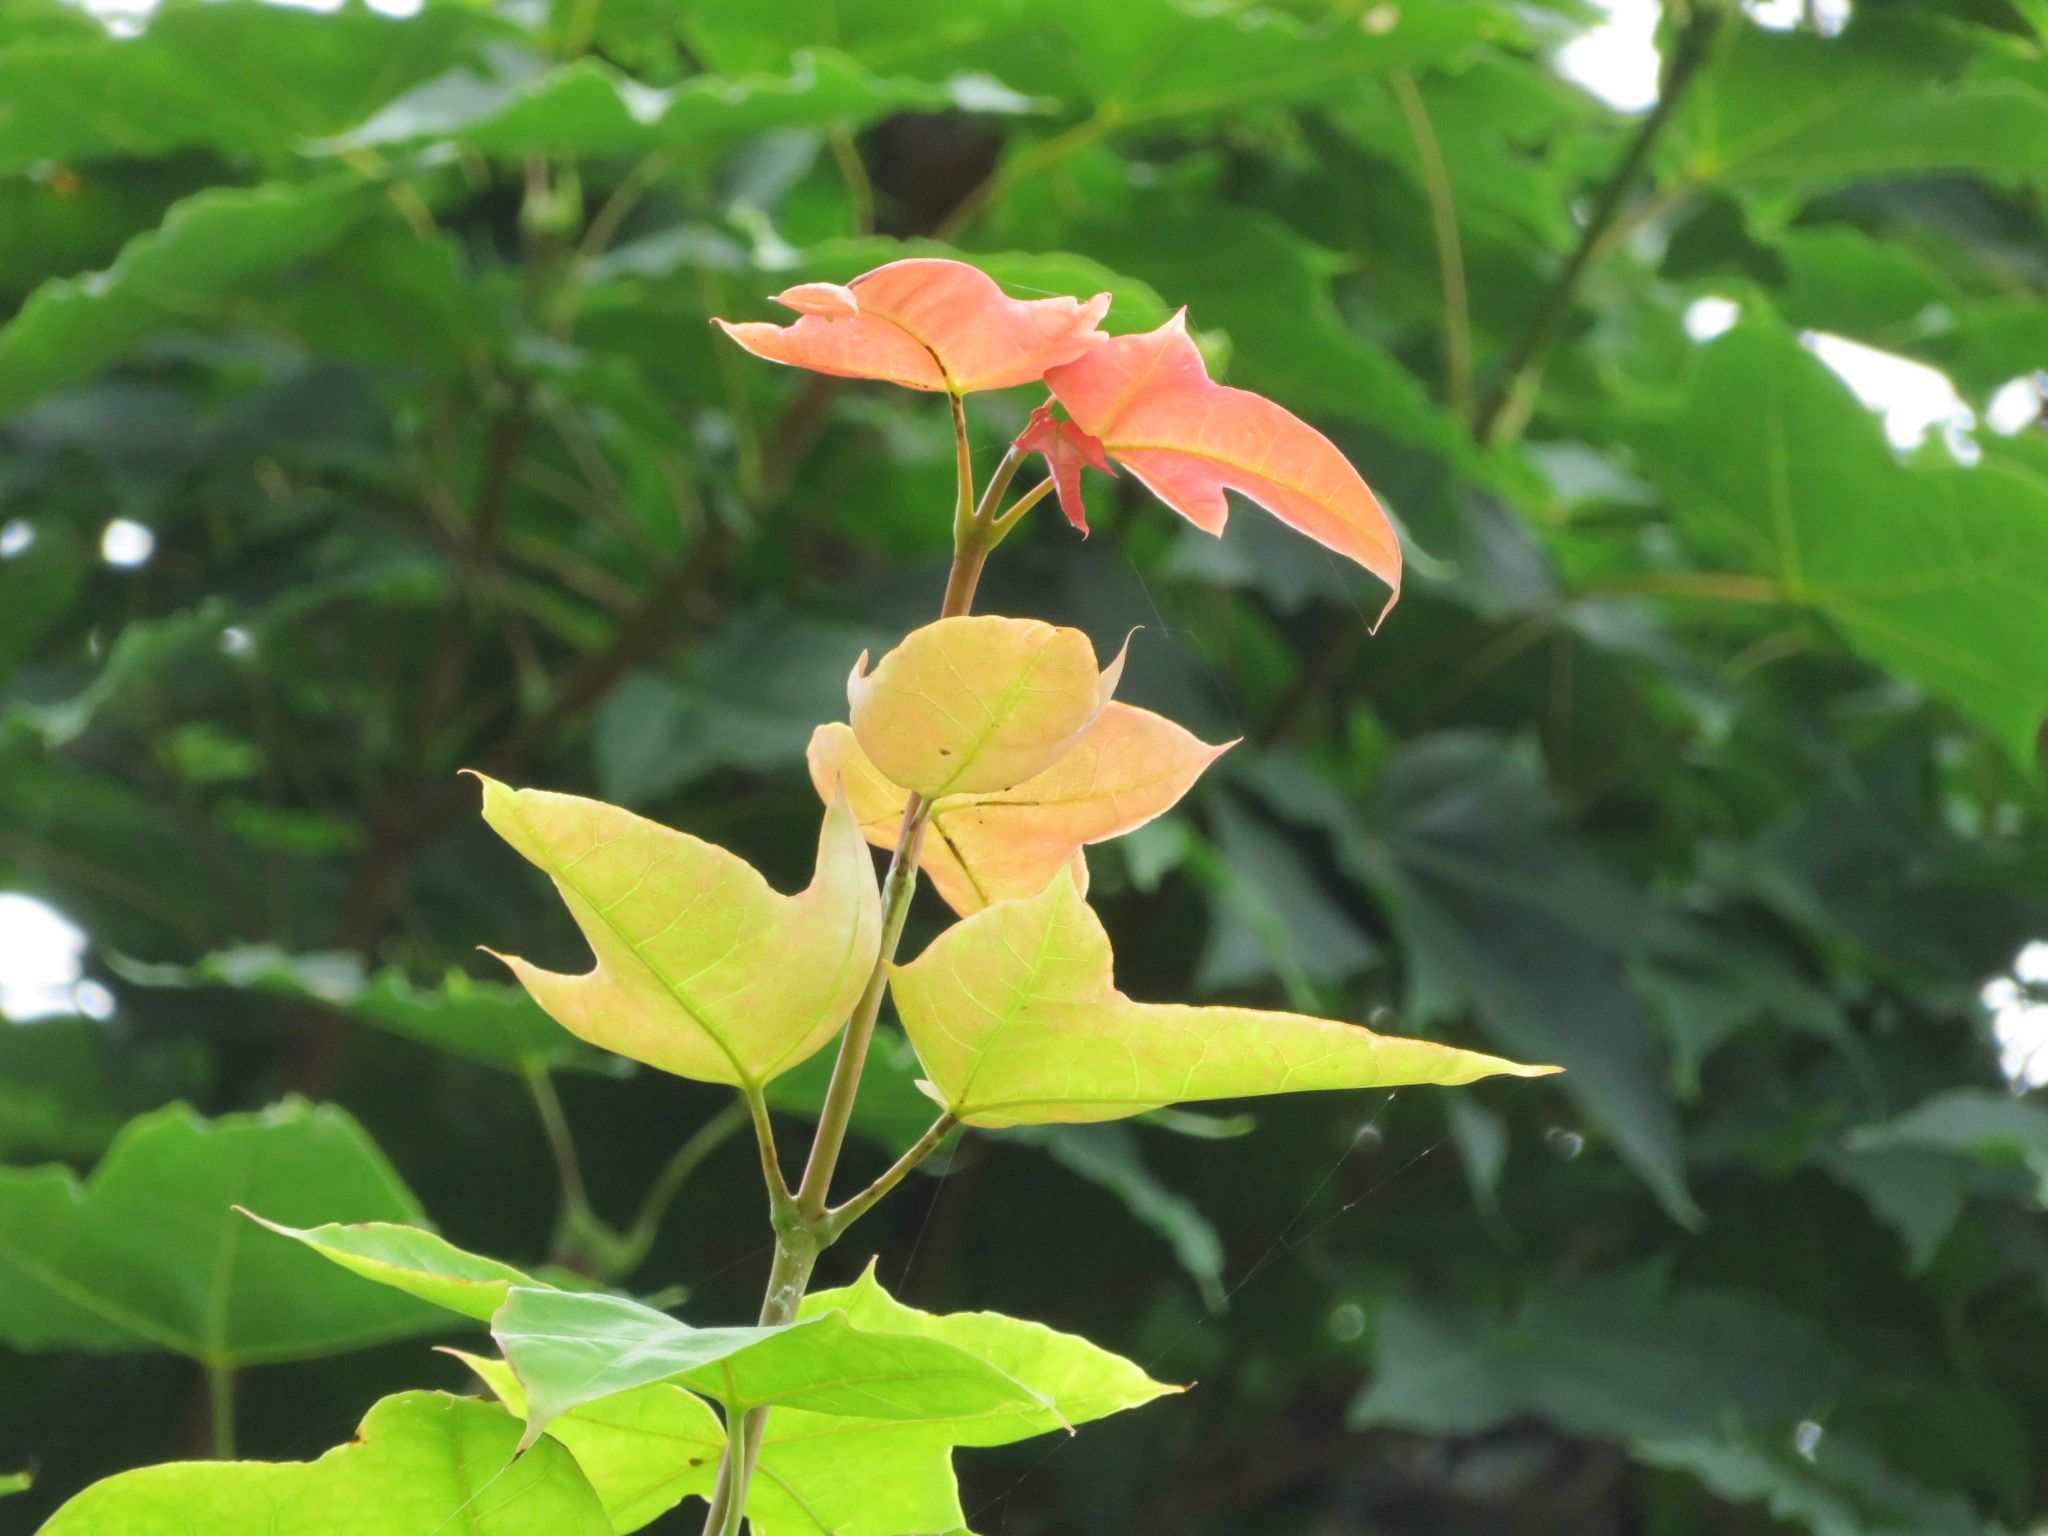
(702, 969)
(1127, 768)
(973, 704)
(1016, 1017)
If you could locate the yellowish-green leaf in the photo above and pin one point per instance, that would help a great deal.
(413, 1260)
(1017, 1019)
(647, 1450)
(1128, 767)
(423, 1464)
(969, 705)
(832, 1474)
(1077, 1380)
(702, 969)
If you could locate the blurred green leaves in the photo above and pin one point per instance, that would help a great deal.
(1701, 757)
(150, 1253)
(1937, 574)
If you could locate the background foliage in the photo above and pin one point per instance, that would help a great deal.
(359, 421)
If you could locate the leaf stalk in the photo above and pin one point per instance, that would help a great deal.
(804, 1225)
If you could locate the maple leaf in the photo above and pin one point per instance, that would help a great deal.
(1066, 448)
(1147, 402)
(1017, 1019)
(1129, 767)
(925, 323)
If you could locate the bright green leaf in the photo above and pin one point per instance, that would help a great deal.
(1075, 1380)
(413, 1260)
(1777, 471)
(239, 77)
(422, 1464)
(571, 1348)
(1797, 109)
(149, 1253)
(647, 1450)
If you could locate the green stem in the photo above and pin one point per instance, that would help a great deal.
(701, 1143)
(840, 1217)
(1450, 252)
(555, 1126)
(837, 1114)
(1000, 528)
(802, 1223)
(1507, 402)
(220, 1408)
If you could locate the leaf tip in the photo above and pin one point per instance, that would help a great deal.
(834, 301)
(264, 1221)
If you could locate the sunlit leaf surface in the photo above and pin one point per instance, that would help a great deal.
(422, 1464)
(1127, 768)
(969, 705)
(926, 323)
(702, 969)
(1017, 1019)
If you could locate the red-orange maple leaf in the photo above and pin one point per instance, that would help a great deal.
(1149, 403)
(1066, 448)
(926, 323)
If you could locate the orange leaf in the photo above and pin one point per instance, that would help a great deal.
(1130, 766)
(1151, 403)
(1066, 448)
(925, 323)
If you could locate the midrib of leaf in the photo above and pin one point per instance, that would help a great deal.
(102, 1308)
(998, 711)
(224, 1258)
(1006, 1017)
(1779, 471)
(465, 1495)
(674, 988)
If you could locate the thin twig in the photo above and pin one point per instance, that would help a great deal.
(561, 1145)
(840, 1217)
(689, 1157)
(1450, 251)
(802, 1227)
(1518, 376)
(860, 190)
(764, 1134)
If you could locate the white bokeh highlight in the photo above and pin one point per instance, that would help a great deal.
(127, 544)
(1617, 59)
(2018, 1004)
(42, 963)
